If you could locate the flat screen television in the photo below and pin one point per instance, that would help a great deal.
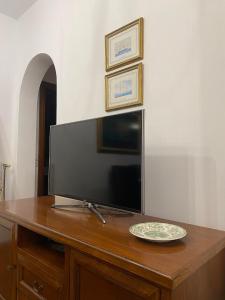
(99, 161)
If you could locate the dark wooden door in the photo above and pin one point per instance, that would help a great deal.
(47, 117)
(92, 279)
(7, 261)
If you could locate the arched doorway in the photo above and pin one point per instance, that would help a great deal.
(26, 175)
(46, 118)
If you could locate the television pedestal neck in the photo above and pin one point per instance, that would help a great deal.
(90, 206)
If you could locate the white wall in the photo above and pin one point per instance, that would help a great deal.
(184, 68)
(39, 31)
(7, 63)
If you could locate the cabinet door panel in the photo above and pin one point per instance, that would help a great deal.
(7, 264)
(92, 279)
(93, 286)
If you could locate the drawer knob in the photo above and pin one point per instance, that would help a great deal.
(37, 287)
(11, 267)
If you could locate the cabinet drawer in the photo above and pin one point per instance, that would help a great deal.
(7, 260)
(37, 283)
(25, 294)
(5, 223)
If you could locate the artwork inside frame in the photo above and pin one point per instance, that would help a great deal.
(124, 45)
(124, 88)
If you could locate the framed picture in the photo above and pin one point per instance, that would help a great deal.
(124, 45)
(124, 88)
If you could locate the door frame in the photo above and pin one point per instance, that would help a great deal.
(41, 134)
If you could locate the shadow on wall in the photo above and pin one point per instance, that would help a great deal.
(178, 182)
(5, 157)
(212, 94)
(3, 142)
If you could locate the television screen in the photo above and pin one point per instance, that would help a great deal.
(99, 160)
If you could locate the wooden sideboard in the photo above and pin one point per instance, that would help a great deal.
(50, 254)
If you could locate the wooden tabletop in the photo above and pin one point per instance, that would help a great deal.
(167, 264)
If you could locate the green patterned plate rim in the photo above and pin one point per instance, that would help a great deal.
(158, 232)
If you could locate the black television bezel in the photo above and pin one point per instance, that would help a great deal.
(127, 209)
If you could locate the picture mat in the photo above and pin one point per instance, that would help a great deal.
(123, 88)
(121, 42)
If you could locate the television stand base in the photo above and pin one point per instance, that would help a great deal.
(94, 209)
(85, 204)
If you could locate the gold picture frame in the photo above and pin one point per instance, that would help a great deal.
(124, 45)
(124, 88)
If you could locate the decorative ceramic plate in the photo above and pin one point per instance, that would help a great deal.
(158, 232)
